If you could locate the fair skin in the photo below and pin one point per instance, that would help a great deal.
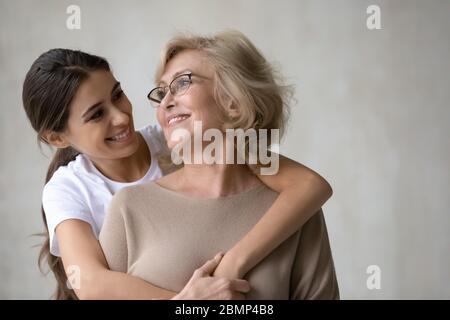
(302, 193)
(198, 104)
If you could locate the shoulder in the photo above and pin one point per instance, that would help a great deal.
(131, 204)
(133, 195)
(316, 223)
(152, 132)
(260, 194)
(64, 179)
(72, 180)
(154, 136)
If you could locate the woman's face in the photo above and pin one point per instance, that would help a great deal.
(196, 104)
(100, 123)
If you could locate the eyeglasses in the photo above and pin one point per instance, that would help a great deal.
(177, 87)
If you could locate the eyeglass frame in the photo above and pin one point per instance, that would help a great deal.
(190, 74)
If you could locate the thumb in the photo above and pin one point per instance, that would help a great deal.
(210, 265)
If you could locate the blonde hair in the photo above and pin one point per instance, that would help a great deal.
(243, 78)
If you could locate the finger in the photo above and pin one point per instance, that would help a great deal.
(240, 285)
(210, 265)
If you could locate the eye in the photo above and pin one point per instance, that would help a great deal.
(160, 94)
(182, 83)
(97, 115)
(118, 95)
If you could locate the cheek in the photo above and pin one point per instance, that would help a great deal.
(160, 117)
(86, 140)
(209, 113)
(200, 105)
(95, 135)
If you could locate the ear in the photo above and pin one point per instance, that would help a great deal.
(56, 139)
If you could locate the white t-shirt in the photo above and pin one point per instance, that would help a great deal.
(80, 191)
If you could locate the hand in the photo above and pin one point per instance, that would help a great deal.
(203, 286)
(229, 267)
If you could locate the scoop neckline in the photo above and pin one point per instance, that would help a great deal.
(247, 192)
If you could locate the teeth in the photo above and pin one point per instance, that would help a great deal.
(178, 118)
(121, 136)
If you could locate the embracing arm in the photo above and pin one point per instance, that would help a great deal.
(78, 246)
(302, 192)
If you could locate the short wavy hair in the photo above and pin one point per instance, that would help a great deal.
(241, 75)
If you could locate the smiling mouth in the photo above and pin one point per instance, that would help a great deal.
(124, 135)
(177, 119)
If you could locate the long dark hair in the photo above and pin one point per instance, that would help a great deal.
(48, 90)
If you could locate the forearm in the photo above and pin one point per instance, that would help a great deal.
(302, 192)
(111, 285)
(79, 247)
(280, 222)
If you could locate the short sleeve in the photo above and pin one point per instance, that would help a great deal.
(156, 139)
(113, 236)
(313, 275)
(154, 135)
(62, 200)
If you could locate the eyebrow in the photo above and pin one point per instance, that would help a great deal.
(116, 85)
(177, 74)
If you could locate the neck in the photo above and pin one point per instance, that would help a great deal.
(217, 180)
(127, 169)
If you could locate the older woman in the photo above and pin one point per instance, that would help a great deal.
(223, 83)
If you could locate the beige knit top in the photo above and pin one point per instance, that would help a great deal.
(162, 236)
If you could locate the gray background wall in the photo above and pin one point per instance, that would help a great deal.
(372, 117)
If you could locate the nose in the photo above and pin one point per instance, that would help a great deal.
(119, 117)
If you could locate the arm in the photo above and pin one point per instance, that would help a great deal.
(78, 246)
(302, 192)
(114, 240)
(313, 275)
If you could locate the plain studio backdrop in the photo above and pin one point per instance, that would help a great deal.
(372, 116)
